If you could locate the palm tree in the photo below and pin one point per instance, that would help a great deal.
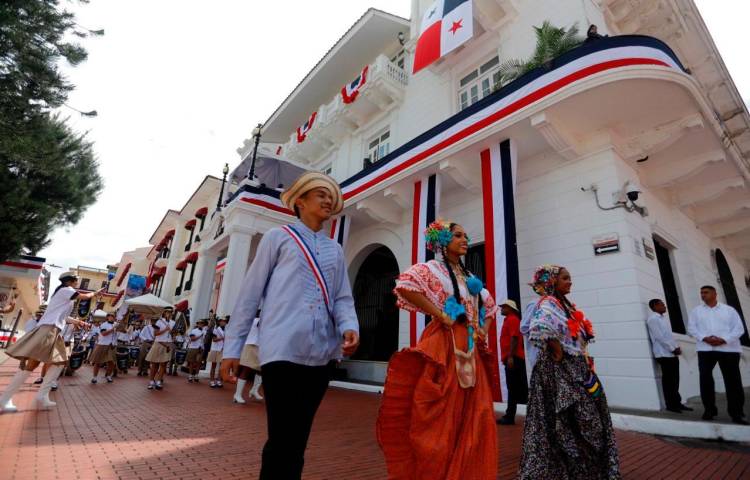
(551, 42)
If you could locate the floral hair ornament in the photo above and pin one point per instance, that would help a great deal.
(545, 278)
(438, 235)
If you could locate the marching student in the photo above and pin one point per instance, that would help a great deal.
(104, 350)
(308, 319)
(214, 355)
(45, 344)
(249, 367)
(195, 350)
(146, 337)
(161, 351)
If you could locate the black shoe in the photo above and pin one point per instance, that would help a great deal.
(714, 411)
(506, 421)
(707, 416)
(685, 408)
(674, 409)
(739, 421)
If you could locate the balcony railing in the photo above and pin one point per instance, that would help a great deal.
(383, 89)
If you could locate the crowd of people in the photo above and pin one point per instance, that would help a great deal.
(437, 418)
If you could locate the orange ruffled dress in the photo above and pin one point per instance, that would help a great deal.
(429, 427)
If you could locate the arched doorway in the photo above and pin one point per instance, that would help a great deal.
(376, 306)
(730, 291)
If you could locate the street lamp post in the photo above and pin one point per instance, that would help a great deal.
(225, 171)
(256, 136)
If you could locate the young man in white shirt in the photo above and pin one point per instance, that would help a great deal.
(214, 355)
(195, 351)
(665, 351)
(161, 351)
(717, 327)
(104, 350)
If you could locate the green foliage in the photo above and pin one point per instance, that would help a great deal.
(48, 172)
(551, 42)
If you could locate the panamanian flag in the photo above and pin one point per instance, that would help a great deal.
(446, 25)
(350, 91)
(302, 131)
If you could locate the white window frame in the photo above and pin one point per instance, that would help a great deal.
(378, 146)
(478, 83)
(399, 59)
(327, 168)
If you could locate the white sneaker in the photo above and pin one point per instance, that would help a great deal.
(54, 386)
(109, 380)
(94, 380)
(9, 407)
(151, 385)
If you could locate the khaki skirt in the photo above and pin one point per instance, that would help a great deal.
(43, 344)
(250, 358)
(194, 355)
(102, 354)
(159, 353)
(214, 356)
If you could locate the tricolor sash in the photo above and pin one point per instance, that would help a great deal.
(313, 263)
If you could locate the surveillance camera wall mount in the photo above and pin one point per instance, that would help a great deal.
(621, 199)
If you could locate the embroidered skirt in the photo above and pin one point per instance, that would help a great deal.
(568, 433)
(43, 344)
(250, 358)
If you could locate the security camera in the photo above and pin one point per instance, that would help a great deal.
(632, 190)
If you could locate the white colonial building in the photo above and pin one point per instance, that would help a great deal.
(538, 171)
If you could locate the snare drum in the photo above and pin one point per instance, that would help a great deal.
(76, 359)
(122, 358)
(180, 355)
(134, 351)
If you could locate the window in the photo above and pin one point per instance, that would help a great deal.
(398, 59)
(378, 147)
(669, 284)
(479, 83)
(327, 169)
(84, 284)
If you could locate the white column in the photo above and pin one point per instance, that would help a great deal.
(237, 257)
(203, 283)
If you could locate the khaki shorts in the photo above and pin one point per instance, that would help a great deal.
(159, 354)
(102, 354)
(214, 356)
(194, 355)
(250, 358)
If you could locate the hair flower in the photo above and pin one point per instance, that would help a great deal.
(437, 235)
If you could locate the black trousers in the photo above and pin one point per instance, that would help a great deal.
(670, 381)
(293, 394)
(518, 388)
(729, 363)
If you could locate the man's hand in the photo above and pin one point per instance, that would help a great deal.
(677, 351)
(229, 369)
(351, 342)
(714, 341)
(555, 350)
(510, 362)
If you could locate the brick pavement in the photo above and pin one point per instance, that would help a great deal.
(188, 431)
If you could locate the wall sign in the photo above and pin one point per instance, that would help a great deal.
(609, 243)
(648, 250)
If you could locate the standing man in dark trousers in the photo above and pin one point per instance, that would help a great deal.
(665, 350)
(717, 328)
(514, 359)
(308, 320)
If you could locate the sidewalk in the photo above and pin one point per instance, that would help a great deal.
(123, 431)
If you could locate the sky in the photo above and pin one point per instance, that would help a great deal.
(179, 84)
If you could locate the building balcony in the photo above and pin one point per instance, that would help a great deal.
(383, 90)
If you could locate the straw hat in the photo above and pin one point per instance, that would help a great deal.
(309, 181)
(510, 303)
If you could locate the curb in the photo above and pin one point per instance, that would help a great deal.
(622, 421)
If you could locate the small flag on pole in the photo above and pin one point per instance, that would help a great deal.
(446, 25)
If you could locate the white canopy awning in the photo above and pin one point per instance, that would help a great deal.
(148, 304)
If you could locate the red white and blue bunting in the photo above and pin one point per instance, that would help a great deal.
(350, 91)
(26, 262)
(599, 57)
(264, 198)
(499, 166)
(305, 128)
(426, 206)
(340, 230)
(221, 264)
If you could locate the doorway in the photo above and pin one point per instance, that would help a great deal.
(730, 291)
(669, 284)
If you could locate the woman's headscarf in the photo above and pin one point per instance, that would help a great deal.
(545, 279)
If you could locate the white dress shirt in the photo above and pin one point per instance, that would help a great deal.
(721, 321)
(106, 339)
(198, 334)
(217, 343)
(662, 338)
(161, 324)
